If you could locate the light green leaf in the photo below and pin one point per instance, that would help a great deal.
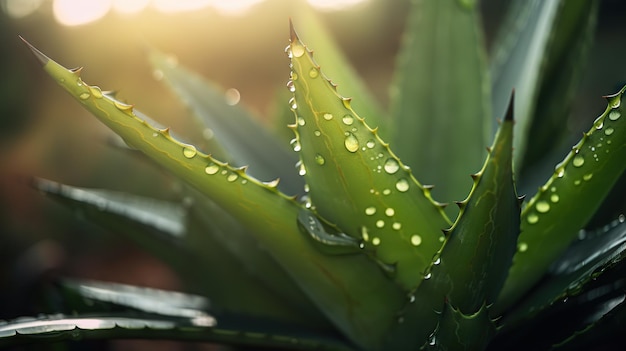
(440, 96)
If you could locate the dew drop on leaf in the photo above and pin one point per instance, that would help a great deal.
(396, 225)
(189, 151)
(232, 177)
(375, 241)
(313, 72)
(522, 247)
(402, 185)
(587, 177)
(301, 121)
(84, 96)
(542, 207)
(608, 131)
(554, 198)
(291, 86)
(370, 210)
(347, 120)
(391, 166)
(319, 159)
(96, 92)
(380, 223)
(416, 240)
(328, 116)
(351, 143)
(390, 212)
(532, 218)
(297, 50)
(212, 168)
(370, 144)
(614, 115)
(578, 161)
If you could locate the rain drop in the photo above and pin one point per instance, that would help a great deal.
(294, 76)
(370, 210)
(364, 234)
(578, 161)
(212, 168)
(416, 240)
(402, 185)
(296, 49)
(386, 192)
(390, 212)
(588, 176)
(426, 277)
(522, 247)
(232, 177)
(614, 115)
(84, 96)
(313, 73)
(293, 104)
(317, 133)
(301, 121)
(319, 159)
(375, 241)
(291, 86)
(396, 225)
(189, 151)
(542, 207)
(608, 131)
(347, 120)
(532, 218)
(328, 116)
(370, 144)
(437, 261)
(391, 166)
(295, 144)
(302, 170)
(351, 143)
(380, 223)
(96, 92)
(554, 198)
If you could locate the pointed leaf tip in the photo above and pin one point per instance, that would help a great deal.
(38, 54)
(509, 111)
(292, 32)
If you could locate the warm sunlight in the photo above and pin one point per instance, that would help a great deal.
(77, 12)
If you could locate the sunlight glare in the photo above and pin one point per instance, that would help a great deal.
(180, 5)
(77, 12)
(130, 6)
(234, 7)
(20, 8)
(334, 5)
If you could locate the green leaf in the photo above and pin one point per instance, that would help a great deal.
(551, 219)
(203, 236)
(459, 331)
(247, 142)
(440, 96)
(52, 328)
(356, 182)
(334, 283)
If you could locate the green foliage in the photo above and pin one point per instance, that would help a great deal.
(353, 252)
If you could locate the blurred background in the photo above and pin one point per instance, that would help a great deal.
(237, 43)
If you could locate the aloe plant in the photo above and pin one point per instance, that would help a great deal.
(350, 250)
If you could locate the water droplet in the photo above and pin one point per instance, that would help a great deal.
(411, 298)
(291, 86)
(437, 261)
(351, 143)
(370, 144)
(295, 144)
(608, 131)
(294, 76)
(621, 218)
(416, 240)
(301, 121)
(297, 50)
(426, 277)
(542, 207)
(232, 96)
(522, 247)
(614, 115)
(588, 176)
(380, 223)
(560, 172)
(302, 170)
(346, 102)
(212, 168)
(365, 234)
(328, 116)
(402, 185)
(390, 212)
(84, 96)
(317, 133)
(232, 177)
(123, 107)
(189, 151)
(615, 100)
(293, 104)
(313, 72)
(554, 198)
(96, 92)
(386, 191)
(370, 210)
(391, 166)
(577, 182)
(578, 161)
(375, 241)
(319, 159)
(347, 120)
(396, 225)
(532, 218)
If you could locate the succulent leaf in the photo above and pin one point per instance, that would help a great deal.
(440, 96)
(332, 282)
(586, 175)
(355, 181)
(459, 331)
(232, 126)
